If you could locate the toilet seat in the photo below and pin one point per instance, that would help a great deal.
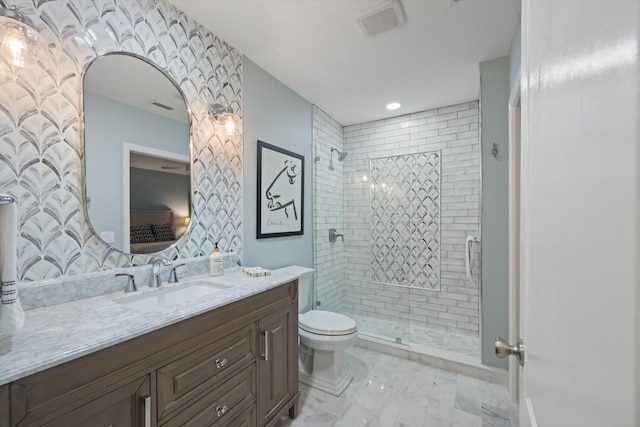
(322, 322)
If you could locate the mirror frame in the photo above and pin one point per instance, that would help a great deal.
(83, 199)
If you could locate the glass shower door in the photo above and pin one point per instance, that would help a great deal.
(390, 250)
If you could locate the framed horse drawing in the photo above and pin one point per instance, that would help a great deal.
(280, 192)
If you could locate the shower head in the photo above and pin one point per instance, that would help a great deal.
(341, 154)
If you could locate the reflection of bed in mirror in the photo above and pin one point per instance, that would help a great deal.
(151, 230)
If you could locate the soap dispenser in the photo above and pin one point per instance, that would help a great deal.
(216, 262)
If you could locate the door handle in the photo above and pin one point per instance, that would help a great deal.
(504, 349)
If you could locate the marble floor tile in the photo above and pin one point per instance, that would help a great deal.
(388, 391)
(494, 416)
(465, 419)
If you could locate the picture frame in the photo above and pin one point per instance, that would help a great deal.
(280, 192)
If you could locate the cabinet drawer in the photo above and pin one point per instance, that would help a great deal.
(191, 375)
(247, 419)
(223, 405)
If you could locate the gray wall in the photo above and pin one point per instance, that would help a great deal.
(515, 56)
(494, 77)
(275, 114)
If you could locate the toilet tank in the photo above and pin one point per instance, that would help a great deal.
(305, 291)
(305, 285)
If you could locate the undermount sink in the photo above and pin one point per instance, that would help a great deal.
(168, 297)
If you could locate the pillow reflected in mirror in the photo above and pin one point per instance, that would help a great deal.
(142, 234)
(163, 232)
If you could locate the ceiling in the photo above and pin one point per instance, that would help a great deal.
(127, 79)
(160, 164)
(317, 48)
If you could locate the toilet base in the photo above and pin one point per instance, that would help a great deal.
(319, 384)
(328, 372)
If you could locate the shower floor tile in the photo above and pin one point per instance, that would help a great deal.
(417, 335)
(388, 391)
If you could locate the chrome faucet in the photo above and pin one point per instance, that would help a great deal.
(131, 282)
(156, 270)
(174, 274)
(333, 235)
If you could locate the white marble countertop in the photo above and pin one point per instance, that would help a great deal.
(57, 334)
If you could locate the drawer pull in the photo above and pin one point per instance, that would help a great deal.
(220, 363)
(147, 411)
(221, 410)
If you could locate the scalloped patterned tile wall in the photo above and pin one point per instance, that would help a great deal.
(405, 220)
(41, 130)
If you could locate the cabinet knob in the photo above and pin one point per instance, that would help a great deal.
(220, 363)
(221, 410)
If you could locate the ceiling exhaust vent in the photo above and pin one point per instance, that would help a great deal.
(382, 18)
(161, 105)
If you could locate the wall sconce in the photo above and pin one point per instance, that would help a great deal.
(20, 42)
(229, 121)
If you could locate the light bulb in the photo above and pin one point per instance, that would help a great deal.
(230, 123)
(19, 43)
(229, 126)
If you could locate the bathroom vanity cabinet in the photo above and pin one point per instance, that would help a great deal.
(235, 365)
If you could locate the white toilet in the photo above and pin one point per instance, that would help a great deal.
(323, 338)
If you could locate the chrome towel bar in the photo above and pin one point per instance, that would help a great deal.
(5, 200)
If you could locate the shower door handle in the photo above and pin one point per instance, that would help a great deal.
(504, 349)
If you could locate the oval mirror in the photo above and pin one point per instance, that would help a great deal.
(137, 157)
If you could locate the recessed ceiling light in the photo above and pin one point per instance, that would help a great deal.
(393, 106)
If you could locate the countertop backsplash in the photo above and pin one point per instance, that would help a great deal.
(45, 293)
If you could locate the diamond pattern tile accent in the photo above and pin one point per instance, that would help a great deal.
(405, 220)
(41, 139)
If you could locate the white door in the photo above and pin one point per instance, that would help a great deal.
(580, 213)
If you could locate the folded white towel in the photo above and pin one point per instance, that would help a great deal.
(256, 271)
(11, 313)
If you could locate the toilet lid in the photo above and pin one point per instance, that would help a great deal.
(326, 323)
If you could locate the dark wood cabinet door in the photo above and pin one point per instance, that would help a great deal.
(5, 404)
(277, 364)
(122, 407)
